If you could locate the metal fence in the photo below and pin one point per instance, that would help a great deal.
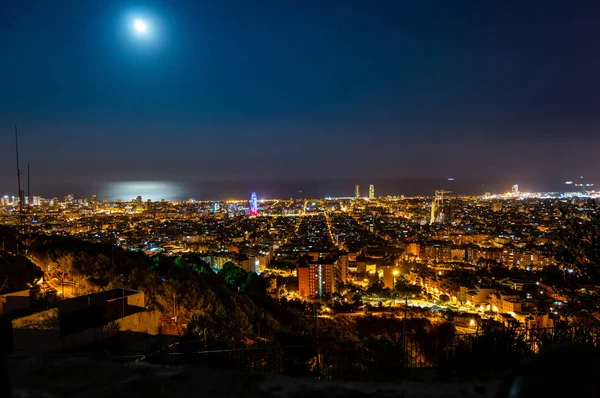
(469, 354)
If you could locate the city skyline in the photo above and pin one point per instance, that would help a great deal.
(228, 190)
(400, 91)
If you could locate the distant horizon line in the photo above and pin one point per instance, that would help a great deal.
(285, 189)
(505, 195)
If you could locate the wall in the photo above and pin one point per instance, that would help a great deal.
(143, 322)
(14, 301)
(40, 333)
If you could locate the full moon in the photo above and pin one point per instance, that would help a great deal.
(140, 26)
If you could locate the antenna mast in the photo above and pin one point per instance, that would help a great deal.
(28, 190)
(19, 179)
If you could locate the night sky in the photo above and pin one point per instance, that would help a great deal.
(300, 91)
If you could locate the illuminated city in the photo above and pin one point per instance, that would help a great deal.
(283, 199)
(429, 243)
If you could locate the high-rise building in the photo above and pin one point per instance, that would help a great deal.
(357, 191)
(317, 274)
(343, 267)
(515, 189)
(315, 280)
(303, 272)
(253, 204)
(138, 199)
(371, 191)
(232, 208)
(214, 207)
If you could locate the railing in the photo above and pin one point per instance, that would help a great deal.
(469, 354)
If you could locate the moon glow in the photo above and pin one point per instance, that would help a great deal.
(140, 26)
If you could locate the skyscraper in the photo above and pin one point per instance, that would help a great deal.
(371, 191)
(357, 191)
(515, 189)
(253, 204)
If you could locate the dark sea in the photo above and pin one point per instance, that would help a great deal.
(272, 189)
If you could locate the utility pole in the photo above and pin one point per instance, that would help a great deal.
(404, 323)
(112, 259)
(316, 318)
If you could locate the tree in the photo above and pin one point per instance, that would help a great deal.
(233, 274)
(578, 252)
(254, 283)
(221, 322)
(578, 247)
(444, 298)
(376, 288)
(17, 272)
(357, 299)
(404, 289)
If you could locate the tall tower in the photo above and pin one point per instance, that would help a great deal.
(357, 191)
(253, 204)
(371, 191)
(439, 209)
(434, 209)
(515, 189)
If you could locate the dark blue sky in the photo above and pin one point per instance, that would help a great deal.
(272, 90)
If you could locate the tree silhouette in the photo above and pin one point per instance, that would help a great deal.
(578, 252)
(444, 298)
(17, 272)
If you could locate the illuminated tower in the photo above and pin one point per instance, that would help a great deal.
(357, 191)
(253, 204)
(434, 209)
(371, 191)
(439, 208)
(515, 189)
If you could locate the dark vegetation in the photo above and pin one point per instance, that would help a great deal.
(17, 272)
